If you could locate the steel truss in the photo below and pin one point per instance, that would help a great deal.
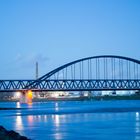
(14, 85)
(69, 85)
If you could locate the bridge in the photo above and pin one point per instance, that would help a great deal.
(106, 72)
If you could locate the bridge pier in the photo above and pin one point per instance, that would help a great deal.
(26, 97)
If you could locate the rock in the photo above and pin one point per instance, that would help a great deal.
(2, 129)
(10, 135)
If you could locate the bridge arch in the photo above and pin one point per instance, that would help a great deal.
(97, 67)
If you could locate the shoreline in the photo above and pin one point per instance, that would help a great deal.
(10, 135)
(12, 108)
(93, 98)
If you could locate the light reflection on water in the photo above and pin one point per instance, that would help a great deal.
(56, 106)
(56, 119)
(37, 121)
(30, 119)
(19, 123)
(18, 105)
(137, 126)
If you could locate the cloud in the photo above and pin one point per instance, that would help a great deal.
(29, 60)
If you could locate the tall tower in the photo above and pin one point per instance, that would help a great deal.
(36, 70)
(37, 94)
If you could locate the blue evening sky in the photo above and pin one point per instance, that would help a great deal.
(55, 32)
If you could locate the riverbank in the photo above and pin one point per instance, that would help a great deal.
(116, 97)
(10, 135)
(10, 108)
(105, 97)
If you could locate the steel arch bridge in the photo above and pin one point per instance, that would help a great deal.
(105, 72)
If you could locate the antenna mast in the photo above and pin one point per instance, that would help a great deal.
(36, 70)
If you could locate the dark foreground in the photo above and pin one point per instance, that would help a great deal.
(10, 135)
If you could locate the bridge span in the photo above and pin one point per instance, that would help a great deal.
(106, 72)
(69, 85)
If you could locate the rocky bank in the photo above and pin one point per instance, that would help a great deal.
(10, 135)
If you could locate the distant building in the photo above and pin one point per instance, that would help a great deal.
(96, 93)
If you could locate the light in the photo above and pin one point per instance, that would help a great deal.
(86, 94)
(17, 94)
(56, 95)
(29, 96)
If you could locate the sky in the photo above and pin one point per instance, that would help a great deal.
(55, 32)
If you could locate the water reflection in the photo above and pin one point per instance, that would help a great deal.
(137, 126)
(19, 123)
(56, 107)
(37, 118)
(58, 136)
(137, 116)
(30, 119)
(56, 120)
(29, 104)
(18, 105)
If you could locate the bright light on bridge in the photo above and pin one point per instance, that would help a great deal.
(29, 96)
(17, 94)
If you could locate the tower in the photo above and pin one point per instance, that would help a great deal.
(36, 70)
(36, 76)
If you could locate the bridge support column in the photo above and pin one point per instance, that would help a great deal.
(26, 97)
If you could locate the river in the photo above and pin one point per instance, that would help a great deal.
(74, 120)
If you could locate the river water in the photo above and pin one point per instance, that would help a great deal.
(74, 120)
